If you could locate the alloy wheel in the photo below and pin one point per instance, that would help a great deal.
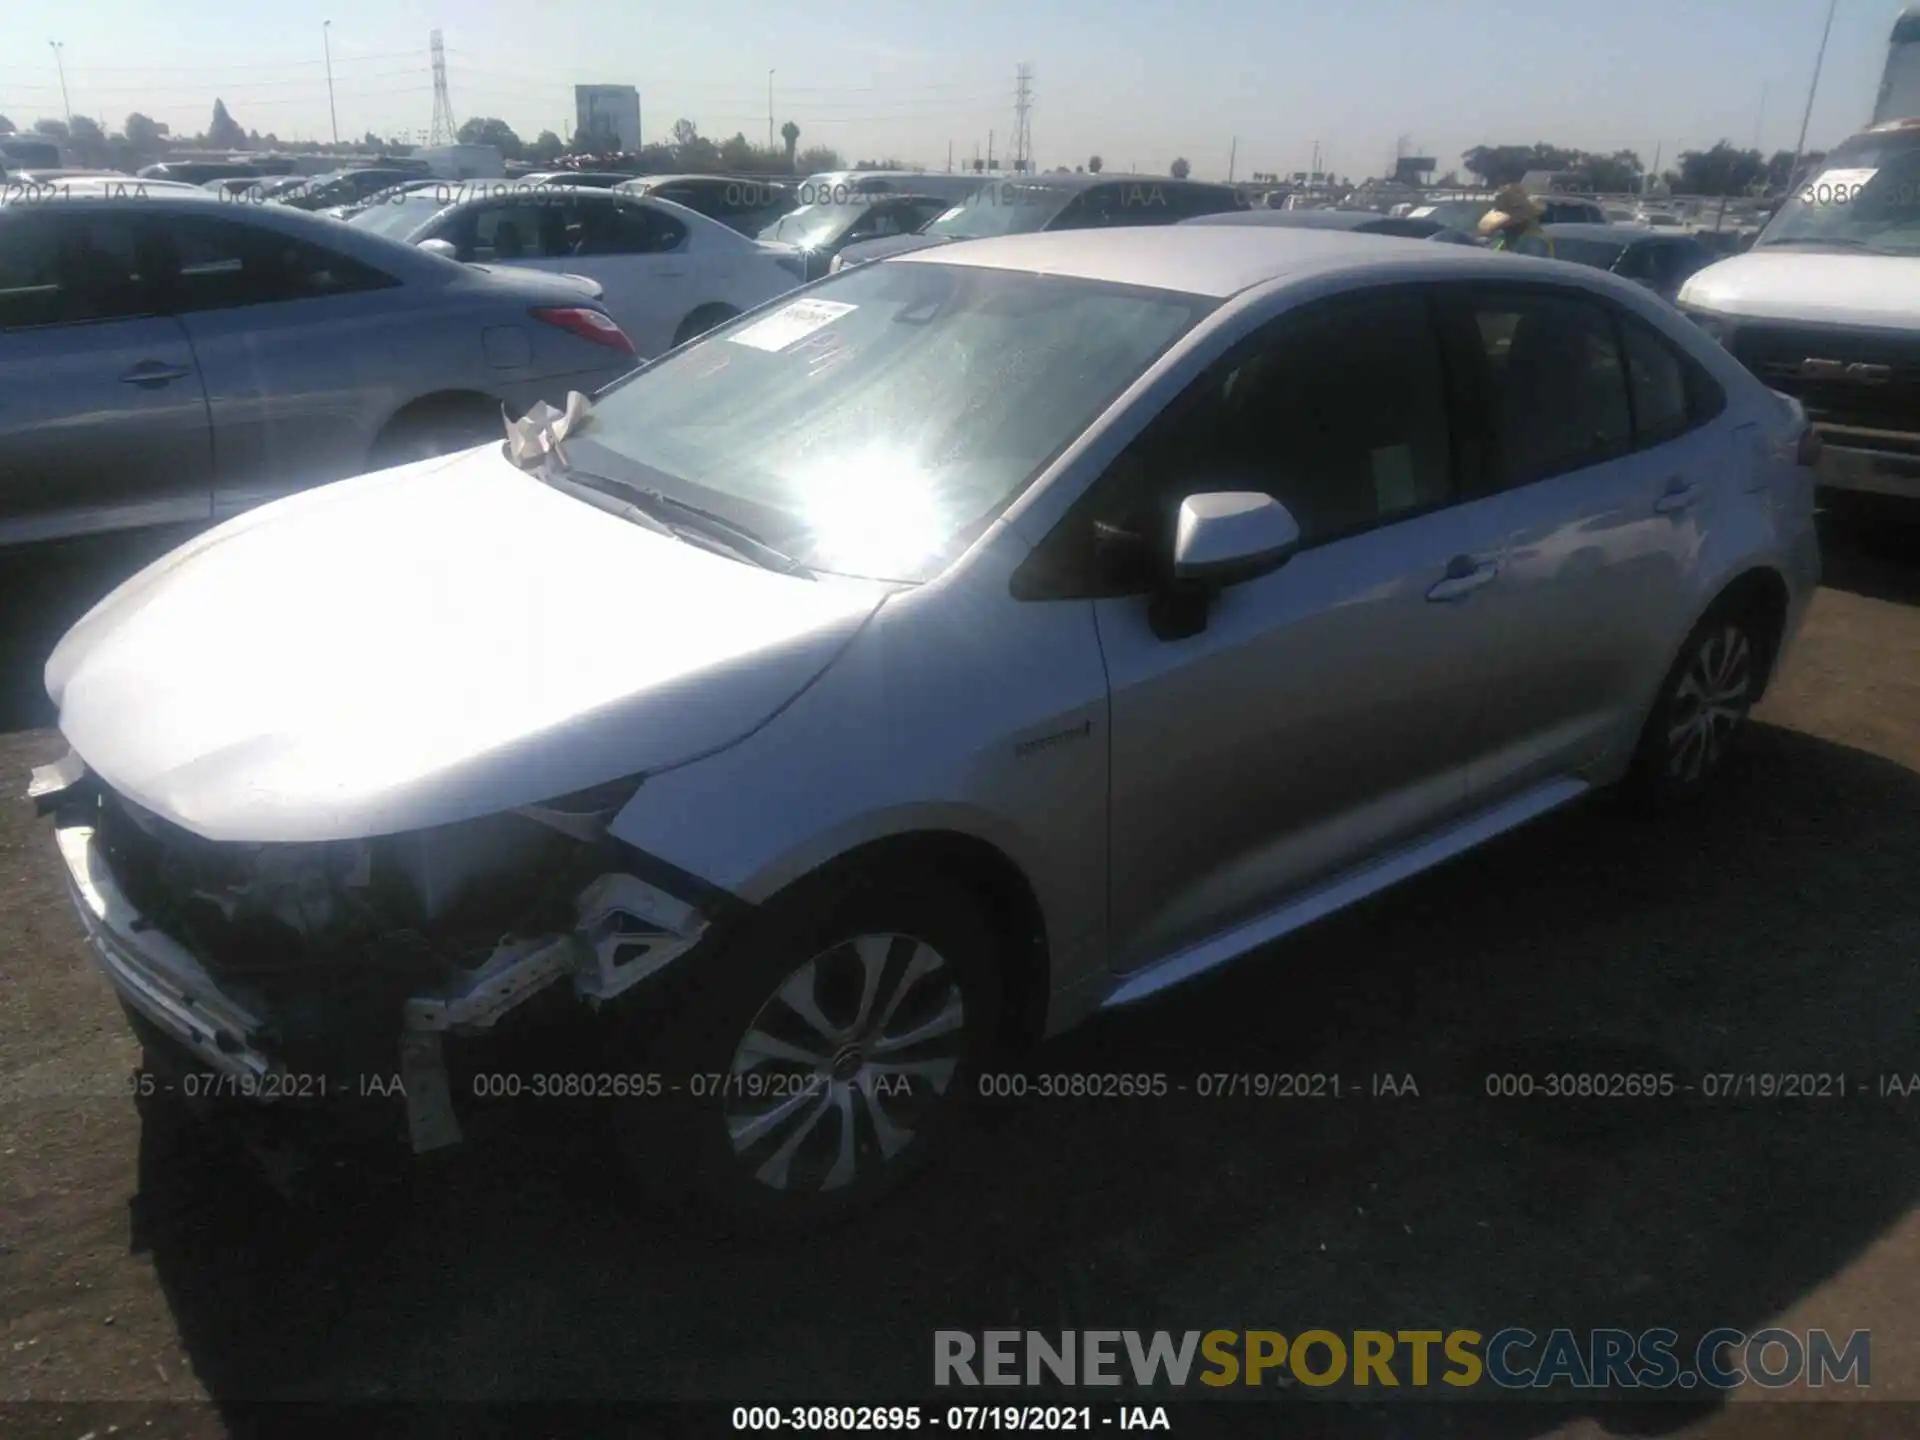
(1711, 699)
(845, 1063)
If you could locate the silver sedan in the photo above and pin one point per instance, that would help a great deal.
(915, 667)
(169, 356)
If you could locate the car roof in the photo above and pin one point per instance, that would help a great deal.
(1213, 260)
(1308, 219)
(709, 179)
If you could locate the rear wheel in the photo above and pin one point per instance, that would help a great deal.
(825, 1055)
(437, 427)
(1703, 703)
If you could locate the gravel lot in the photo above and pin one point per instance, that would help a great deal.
(1775, 928)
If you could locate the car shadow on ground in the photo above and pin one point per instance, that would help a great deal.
(1872, 549)
(43, 591)
(1768, 929)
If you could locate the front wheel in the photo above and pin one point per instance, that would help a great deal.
(1703, 704)
(826, 1053)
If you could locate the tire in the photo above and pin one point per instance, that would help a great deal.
(779, 1142)
(707, 317)
(436, 428)
(1703, 704)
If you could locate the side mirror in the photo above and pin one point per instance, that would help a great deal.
(443, 248)
(1221, 539)
(1225, 537)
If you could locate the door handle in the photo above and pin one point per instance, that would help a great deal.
(1464, 576)
(1678, 496)
(154, 373)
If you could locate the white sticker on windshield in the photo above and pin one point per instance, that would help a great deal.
(1837, 187)
(948, 214)
(791, 323)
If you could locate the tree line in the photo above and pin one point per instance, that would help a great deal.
(1724, 169)
(142, 140)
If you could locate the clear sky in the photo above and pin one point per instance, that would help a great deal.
(1136, 81)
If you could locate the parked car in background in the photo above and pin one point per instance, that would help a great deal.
(58, 175)
(232, 187)
(1661, 262)
(1570, 210)
(446, 189)
(1463, 215)
(1356, 222)
(585, 179)
(1825, 307)
(273, 187)
(30, 152)
(1057, 202)
(820, 232)
(198, 172)
(344, 187)
(767, 730)
(173, 359)
(667, 273)
(745, 205)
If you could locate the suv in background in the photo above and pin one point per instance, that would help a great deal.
(1058, 202)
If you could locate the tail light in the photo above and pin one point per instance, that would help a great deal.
(1808, 451)
(594, 325)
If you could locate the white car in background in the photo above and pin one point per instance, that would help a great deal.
(665, 273)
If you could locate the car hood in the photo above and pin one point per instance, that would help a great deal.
(424, 645)
(1821, 286)
(893, 245)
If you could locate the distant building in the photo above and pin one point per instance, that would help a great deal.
(608, 110)
(1415, 170)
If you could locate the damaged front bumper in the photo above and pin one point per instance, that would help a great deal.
(626, 931)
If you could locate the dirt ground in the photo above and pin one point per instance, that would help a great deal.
(1775, 928)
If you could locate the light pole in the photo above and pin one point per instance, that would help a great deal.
(1800, 145)
(65, 104)
(769, 112)
(326, 45)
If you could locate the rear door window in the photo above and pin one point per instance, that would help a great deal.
(224, 264)
(61, 266)
(1556, 384)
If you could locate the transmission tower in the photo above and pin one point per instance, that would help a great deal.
(444, 130)
(1022, 109)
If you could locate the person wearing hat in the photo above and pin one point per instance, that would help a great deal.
(1514, 224)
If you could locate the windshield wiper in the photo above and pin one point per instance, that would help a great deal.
(704, 523)
(536, 444)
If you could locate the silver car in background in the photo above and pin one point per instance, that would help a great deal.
(915, 667)
(169, 357)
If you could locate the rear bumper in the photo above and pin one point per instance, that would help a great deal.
(1890, 469)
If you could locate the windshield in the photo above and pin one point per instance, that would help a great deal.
(1001, 208)
(400, 215)
(1866, 197)
(812, 224)
(877, 425)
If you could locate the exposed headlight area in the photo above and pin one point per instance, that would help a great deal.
(366, 952)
